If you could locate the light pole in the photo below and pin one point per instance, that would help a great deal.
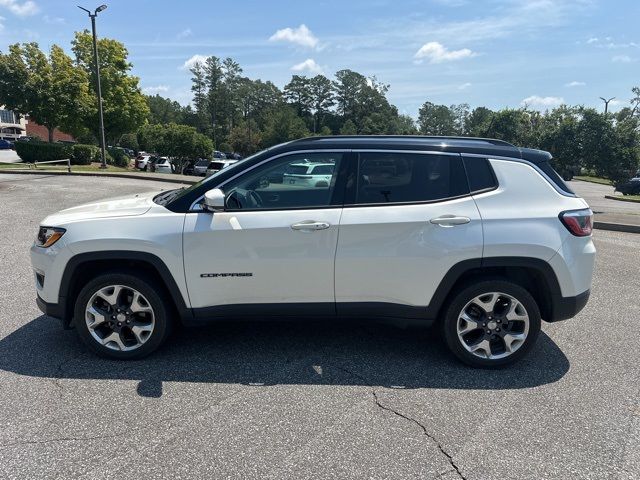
(606, 104)
(93, 16)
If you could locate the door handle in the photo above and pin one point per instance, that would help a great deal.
(450, 220)
(310, 226)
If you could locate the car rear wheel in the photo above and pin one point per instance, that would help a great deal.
(121, 316)
(491, 324)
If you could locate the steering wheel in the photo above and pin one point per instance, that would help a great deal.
(255, 199)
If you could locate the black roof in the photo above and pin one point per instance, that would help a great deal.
(482, 146)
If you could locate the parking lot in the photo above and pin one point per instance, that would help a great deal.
(302, 400)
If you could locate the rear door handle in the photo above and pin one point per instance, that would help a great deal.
(310, 226)
(450, 220)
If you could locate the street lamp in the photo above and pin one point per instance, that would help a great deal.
(93, 16)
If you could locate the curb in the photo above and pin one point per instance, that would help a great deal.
(621, 199)
(134, 176)
(616, 227)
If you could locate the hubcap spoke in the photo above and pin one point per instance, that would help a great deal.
(142, 332)
(110, 294)
(487, 302)
(139, 304)
(512, 341)
(516, 312)
(98, 317)
(470, 324)
(482, 346)
(114, 337)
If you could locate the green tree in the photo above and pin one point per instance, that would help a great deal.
(436, 120)
(349, 128)
(164, 110)
(282, 126)
(322, 99)
(125, 107)
(245, 138)
(50, 89)
(478, 122)
(298, 94)
(129, 140)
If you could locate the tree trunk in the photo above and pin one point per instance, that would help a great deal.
(50, 130)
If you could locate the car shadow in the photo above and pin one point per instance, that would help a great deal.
(271, 353)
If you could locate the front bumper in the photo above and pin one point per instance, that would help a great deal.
(55, 310)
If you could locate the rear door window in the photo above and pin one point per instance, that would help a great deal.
(408, 177)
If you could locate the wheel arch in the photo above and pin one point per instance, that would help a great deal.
(83, 267)
(535, 275)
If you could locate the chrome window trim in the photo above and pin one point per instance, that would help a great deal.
(525, 162)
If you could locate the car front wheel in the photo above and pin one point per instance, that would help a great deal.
(121, 316)
(492, 323)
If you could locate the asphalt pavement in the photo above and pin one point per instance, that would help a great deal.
(308, 400)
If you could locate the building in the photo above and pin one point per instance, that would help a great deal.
(34, 129)
(12, 125)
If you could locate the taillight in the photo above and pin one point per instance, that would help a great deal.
(578, 222)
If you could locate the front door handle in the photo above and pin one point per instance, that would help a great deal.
(310, 226)
(450, 220)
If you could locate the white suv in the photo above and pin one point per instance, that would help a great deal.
(482, 237)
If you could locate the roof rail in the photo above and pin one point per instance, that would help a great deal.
(492, 141)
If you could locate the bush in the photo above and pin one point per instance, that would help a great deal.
(118, 158)
(34, 151)
(85, 154)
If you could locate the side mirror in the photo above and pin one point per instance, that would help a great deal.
(214, 200)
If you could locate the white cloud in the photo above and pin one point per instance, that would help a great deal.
(22, 9)
(575, 84)
(156, 89)
(301, 36)
(593, 40)
(192, 61)
(184, 34)
(309, 65)
(622, 59)
(53, 20)
(536, 101)
(1, 24)
(437, 53)
(464, 86)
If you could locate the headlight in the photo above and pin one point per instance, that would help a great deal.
(47, 236)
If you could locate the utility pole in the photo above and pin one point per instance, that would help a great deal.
(93, 16)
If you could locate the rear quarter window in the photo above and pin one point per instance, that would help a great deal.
(554, 177)
(479, 174)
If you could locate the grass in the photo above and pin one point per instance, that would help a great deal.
(601, 181)
(625, 198)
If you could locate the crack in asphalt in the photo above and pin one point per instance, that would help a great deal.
(434, 440)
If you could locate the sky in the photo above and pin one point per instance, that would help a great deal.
(494, 53)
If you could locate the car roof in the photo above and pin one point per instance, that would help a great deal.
(476, 145)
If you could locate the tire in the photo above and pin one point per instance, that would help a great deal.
(507, 340)
(148, 316)
(144, 169)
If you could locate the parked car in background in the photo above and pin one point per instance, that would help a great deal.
(233, 156)
(632, 187)
(219, 155)
(142, 161)
(6, 144)
(160, 165)
(217, 165)
(200, 167)
(308, 174)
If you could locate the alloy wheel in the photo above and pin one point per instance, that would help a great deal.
(119, 318)
(493, 325)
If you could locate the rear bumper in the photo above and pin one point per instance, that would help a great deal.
(568, 307)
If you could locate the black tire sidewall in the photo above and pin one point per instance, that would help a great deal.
(450, 320)
(146, 287)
